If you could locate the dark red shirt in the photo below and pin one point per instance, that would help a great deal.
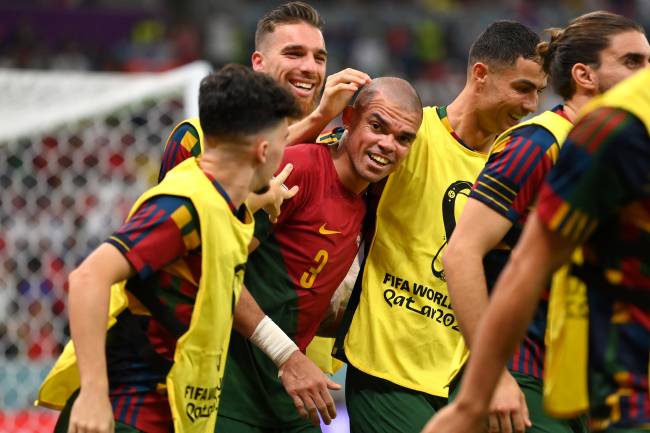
(311, 246)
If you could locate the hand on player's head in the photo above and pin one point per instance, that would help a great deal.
(339, 90)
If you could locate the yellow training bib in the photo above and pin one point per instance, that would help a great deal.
(194, 381)
(404, 329)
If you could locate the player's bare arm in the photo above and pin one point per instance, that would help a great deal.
(338, 91)
(515, 297)
(479, 230)
(90, 286)
(303, 381)
(338, 304)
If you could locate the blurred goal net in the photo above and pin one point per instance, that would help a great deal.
(78, 149)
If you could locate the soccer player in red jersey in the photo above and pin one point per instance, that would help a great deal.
(591, 54)
(305, 255)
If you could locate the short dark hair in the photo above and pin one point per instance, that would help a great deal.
(288, 13)
(502, 43)
(236, 102)
(580, 42)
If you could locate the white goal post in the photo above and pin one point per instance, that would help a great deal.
(77, 150)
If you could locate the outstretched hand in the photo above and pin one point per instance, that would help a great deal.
(271, 201)
(279, 192)
(308, 387)
(339, 89)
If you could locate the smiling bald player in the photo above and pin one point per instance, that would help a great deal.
(303, 258)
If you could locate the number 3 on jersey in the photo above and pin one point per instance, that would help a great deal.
(308, 277)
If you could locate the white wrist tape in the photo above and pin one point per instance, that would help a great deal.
(272, 340)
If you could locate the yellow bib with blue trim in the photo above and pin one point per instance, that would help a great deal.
(194, 381)
(559, 127)
(196, 124)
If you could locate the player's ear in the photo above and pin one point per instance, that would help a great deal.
(348, 115)
(257, 61)
(261, 151)
(479, 72)
(584, 77)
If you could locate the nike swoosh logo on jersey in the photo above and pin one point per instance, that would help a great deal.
(323, 231)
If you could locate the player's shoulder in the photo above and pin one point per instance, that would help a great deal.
(309, 163)
(331, 137)
(610, 118)
(431, 115)
(307, 153)
(613, 126)
(533, 134)
(168, 203)
(430, 126)
(187, 126)
(186, 135)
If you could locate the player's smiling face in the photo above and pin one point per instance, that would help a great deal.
(378, 137)
(509, 93)
(295, 56)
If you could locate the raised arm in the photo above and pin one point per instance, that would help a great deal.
(338, 91)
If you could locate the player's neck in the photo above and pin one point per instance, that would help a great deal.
(227, 169)
(463, 119)
(346, 172)
(573, 106)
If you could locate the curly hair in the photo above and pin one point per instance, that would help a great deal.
(236, 102)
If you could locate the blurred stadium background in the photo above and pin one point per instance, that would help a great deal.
(90, 89)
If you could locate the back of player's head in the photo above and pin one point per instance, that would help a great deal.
(237, 102)
(396, 90)
(581, 41)
(502, 43)
(288, 13)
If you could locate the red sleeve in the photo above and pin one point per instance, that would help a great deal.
(162, 230)
(512, 176)
(182, 144)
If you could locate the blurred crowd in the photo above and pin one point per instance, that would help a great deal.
(422, 40)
